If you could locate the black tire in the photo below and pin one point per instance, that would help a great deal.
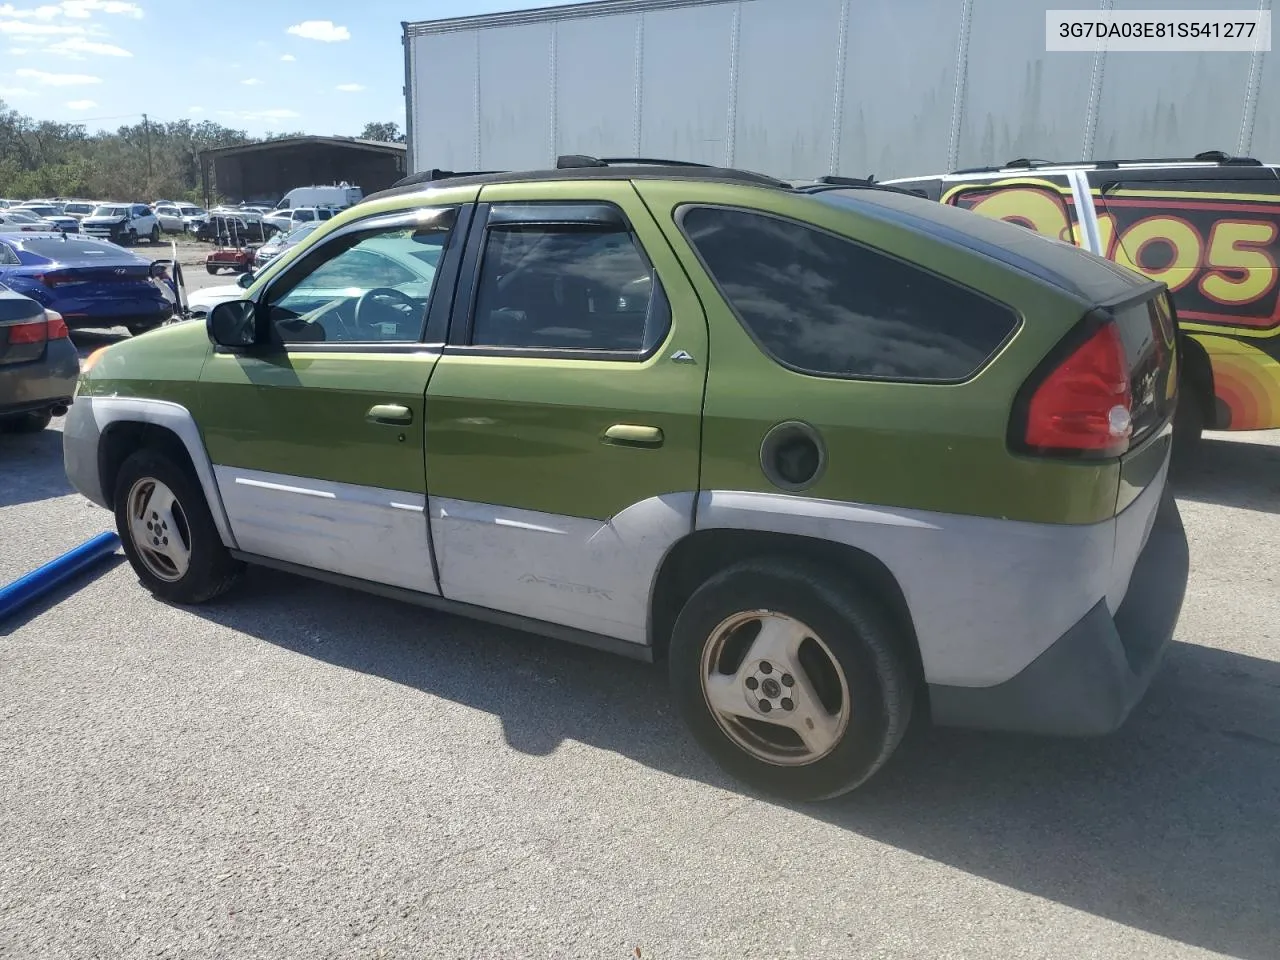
(131, 238)
(1188, 423)
(858, 635)
(155, 235)
(137, 329)
(211, 268)
(211, 570)
(32, 422)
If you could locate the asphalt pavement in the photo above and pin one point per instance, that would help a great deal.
(301, 771)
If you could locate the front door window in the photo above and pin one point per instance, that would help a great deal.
(371, 286)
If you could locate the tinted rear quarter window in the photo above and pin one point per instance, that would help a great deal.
(825, 305)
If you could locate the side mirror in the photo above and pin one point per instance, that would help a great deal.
(245, 280)
(233, 323)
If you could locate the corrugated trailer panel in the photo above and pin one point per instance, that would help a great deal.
(1172, 104)
(786, 79)
(1262, 127)
(899, 88)
(1020, 101)
(515, 97)
(442, 121)
(799, 88)
(595, 80)
(685, 111)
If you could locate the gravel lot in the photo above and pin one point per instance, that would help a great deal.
(302, 771)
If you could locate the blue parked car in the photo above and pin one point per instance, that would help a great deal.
(90, 282)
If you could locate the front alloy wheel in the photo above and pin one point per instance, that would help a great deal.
(168, 532)
(159, 529)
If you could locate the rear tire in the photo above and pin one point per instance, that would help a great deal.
(32, 422)
(1188, 423)
(847, 684)
(155, 235)
(175, 550)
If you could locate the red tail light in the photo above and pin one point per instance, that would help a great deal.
(57, 327)
(51, 327)
(36, 331)
(52, 279)
(1084, 405)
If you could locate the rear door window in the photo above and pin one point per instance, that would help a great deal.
(572, 286)
(825, 305)
(1214, 242)
(1043, 204)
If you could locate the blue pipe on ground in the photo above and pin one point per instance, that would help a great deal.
(56, 572)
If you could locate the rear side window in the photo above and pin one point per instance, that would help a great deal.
(824, 305)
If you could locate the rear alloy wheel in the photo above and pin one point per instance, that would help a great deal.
(32, 422)
(168, 532)
(793, 682)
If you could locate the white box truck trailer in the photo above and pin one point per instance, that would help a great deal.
(802, 88)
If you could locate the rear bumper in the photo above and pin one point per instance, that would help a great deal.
(1088, 681)
(43, 383)
(118, 313)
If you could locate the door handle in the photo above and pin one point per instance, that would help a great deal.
(392, 413)
(632, 435)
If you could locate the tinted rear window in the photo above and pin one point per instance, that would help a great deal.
(1148, 332)
(72, 250)
(825, 305)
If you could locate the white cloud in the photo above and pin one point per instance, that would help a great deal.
(288, 58)
(83, 9)
(77, 45)
(18, 51)
(46, 12)
(21, 28)
(349, 87)
(325, 31)
(15, 92)
(82, 104)
(251, 81)
(195, 109)
(56, 79)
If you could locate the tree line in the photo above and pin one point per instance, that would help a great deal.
(142, 161)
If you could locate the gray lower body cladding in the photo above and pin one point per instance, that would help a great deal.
(1088, 681)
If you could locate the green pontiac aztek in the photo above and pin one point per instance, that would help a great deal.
(838, 454)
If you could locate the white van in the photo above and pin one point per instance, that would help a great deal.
(339, 196)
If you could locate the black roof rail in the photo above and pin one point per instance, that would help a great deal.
(434, 174)
(846, 181)
(573, 161)
(825, 183)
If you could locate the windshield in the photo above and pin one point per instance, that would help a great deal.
(76, 250)
(109, 211)
(42, 211)
(191, 211)
(299, 233)
(17, 216)
(78, 208)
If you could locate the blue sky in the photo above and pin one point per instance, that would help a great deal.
(322, 66)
